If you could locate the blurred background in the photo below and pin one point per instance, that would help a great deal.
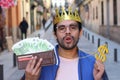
(99, 17)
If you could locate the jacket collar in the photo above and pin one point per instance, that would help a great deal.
(57, 55)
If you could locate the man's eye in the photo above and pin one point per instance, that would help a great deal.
(73, 27)
(61, 28)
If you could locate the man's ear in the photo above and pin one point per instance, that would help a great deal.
(81, 31)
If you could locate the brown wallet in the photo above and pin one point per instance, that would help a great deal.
(48, 58)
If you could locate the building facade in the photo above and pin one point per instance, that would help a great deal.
(102, 17)
(14, 16)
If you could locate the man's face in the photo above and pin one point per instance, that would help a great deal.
(67, 34)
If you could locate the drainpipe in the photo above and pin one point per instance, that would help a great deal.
(23, 7)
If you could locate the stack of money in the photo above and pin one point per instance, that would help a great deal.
(26, 49)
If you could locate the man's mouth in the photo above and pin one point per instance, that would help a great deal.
(68, 39)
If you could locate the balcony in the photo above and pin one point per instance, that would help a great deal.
(84, 2)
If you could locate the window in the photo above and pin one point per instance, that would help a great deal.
(102, 13)
(115, 12)
(96, 12)
(93, 13)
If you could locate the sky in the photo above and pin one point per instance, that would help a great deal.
(58, 2)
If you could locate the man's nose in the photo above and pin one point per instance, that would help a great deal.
(67, 29)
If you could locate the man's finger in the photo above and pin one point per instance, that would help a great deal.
(37, 67)
(29, 64)
(33, 62)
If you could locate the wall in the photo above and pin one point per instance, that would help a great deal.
(111, 31)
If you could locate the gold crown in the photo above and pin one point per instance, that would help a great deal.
(64, 15)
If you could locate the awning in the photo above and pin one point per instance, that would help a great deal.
(7, 3)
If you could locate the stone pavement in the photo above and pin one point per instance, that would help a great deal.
(6, 58)
(112, 68)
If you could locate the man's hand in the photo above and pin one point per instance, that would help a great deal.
(32, 71)
(98, 70)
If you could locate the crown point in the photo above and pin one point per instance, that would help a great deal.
(66, 14)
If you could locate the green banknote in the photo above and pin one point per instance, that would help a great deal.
(31, 45)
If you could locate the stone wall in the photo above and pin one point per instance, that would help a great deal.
(114, 33)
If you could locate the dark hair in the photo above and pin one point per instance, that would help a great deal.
(79, 24)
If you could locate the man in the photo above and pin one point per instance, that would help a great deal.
(23, 27)
(44, 21)
(71, 63)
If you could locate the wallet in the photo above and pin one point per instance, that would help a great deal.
(48, 58)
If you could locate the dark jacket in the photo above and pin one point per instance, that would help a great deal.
(23, 26)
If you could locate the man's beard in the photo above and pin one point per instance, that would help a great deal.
(62, 45)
